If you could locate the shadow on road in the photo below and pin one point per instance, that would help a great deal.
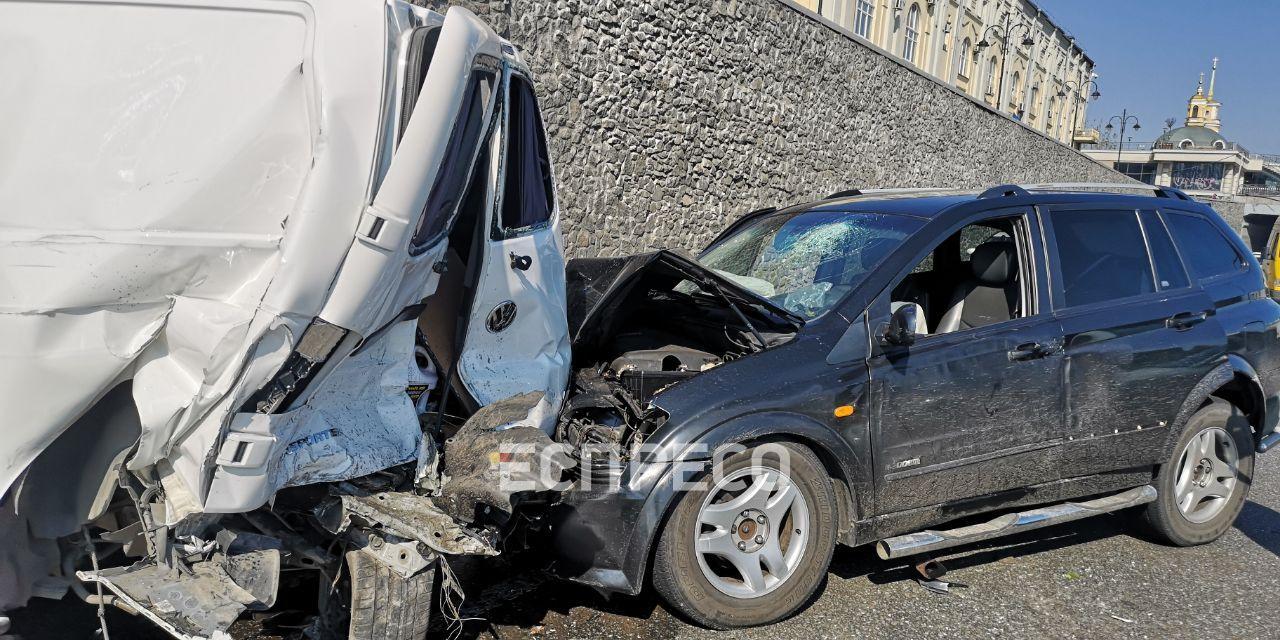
(1260, 524)
(519, 593)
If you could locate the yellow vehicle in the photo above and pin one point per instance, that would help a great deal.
(1260, 231)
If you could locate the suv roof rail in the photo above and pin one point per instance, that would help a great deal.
(844, 194)
(1157, 191)
(1003, 191)
(868, 192)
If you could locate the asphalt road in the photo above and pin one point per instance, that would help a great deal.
(1096, 578)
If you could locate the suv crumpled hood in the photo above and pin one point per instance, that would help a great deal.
(596, 286)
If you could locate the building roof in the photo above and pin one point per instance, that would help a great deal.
(1200, 137)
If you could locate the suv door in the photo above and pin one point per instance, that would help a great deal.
(975, 411)
(1139, 334)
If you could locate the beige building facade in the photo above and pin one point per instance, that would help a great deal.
(1005, 53)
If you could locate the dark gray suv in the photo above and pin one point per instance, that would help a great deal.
(872, 367)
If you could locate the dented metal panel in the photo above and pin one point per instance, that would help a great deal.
(357, 422)
(134, 236)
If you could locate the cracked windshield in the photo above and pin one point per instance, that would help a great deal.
(806, 262)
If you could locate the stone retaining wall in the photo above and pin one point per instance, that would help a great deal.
(669, 118)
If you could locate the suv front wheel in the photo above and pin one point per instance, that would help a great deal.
(1202, 488)
(751, 544)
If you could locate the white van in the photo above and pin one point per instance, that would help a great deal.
(228, 229)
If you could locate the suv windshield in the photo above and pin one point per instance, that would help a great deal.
(807, 261)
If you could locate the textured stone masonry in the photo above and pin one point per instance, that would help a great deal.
(669, 118)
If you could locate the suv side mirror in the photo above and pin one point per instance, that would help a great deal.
(901, 330)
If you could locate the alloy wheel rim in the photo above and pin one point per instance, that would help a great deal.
(1207, 473)
(752, 531)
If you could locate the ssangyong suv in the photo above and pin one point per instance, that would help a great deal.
(869, 368)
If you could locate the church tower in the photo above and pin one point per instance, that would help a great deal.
(1202, 109)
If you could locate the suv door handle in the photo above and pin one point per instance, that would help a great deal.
(1029, 351)
(1186, 320)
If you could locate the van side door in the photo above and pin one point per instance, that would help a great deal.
(517, 334)
(395, 259)
(1139, 335)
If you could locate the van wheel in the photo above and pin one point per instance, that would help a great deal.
(1202, 488)
(384, 605)
(751, 544)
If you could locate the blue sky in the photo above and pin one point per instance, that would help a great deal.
(1150, 53)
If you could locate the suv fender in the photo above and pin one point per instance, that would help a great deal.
(840, 459)
(1238, 370)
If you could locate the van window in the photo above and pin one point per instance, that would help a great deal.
(1206, 251)
(1101, 256)
(1169, 271)
(527, 192)
(458, 162)
(422, 48)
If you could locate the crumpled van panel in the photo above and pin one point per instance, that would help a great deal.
(145, 191)
(360, 420)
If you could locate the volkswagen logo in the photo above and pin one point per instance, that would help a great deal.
(501, 317)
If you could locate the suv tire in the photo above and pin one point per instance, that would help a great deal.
(742, 521)
(1203, 486)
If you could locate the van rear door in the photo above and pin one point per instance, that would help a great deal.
(396, 256)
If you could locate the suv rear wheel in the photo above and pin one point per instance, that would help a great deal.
(750, 545)
(1204, 485)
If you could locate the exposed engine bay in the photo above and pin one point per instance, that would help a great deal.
(643, 323)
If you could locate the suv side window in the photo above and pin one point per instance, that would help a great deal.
(1170, 273)
(1101, 256)
(1206, 252)
(983, 282)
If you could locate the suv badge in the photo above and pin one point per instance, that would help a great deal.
(902, 464)
(501, 317)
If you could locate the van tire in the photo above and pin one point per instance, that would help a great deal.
(385, 606)
(679, 577)
(1218, 419)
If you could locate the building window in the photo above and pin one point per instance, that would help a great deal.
(913, 33)
(1013, 88)
(965, 46)
(989, 77)
(1035, 100)
(862, 18)
(1140, 171)
(1198, 176)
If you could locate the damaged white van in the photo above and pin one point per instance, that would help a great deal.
(252, 251)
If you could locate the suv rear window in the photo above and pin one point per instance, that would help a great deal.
(1164, 257)
(1204, 249)
(1101, 256)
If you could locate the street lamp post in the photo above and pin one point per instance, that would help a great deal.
(1076, 89)
(1124, 121)
(1005, 32)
